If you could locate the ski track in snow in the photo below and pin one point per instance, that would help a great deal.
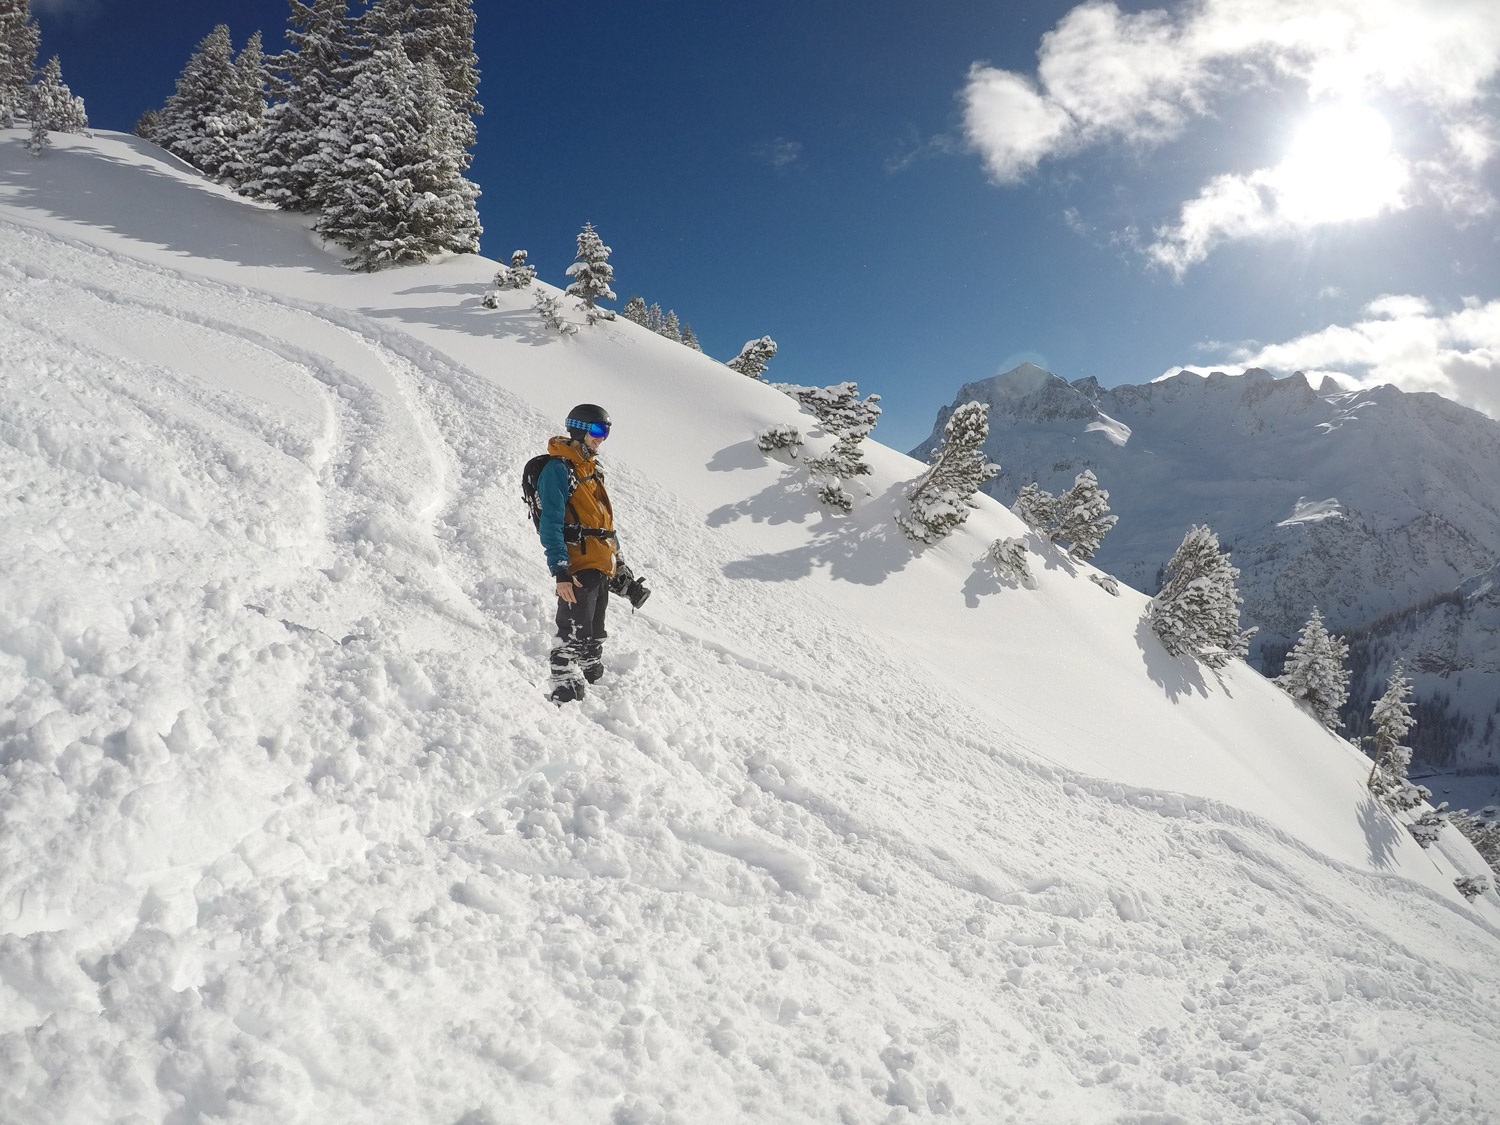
(259, 872)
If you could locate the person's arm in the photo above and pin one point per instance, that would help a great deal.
(552, 491)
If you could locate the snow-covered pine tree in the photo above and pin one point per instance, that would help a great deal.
(1083, 516)
(148, 125)
(549, 308)
(753, 357)
(1315, 671)
(20, 40)
(670, 328)
(1037, 508)
(1197, 611)
(192, 121)
(440, 32)
(689, 339)
(778, 437)
(591, 271)
(521, 274)
(53, 108)
(1471, 886)
(1425, 829)
(849, 418)
(653, 319)
(940, 499)
(1392, 720)
(242, 121)
(1009, 559)
(394, 191)
(635, 311)
(290, 151)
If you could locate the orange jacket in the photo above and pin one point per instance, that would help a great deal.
(587, 510)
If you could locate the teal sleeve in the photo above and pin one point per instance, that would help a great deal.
(552, 491)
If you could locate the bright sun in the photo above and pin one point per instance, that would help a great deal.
(1340, 166)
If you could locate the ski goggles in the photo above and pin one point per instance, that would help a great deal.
(598, 430)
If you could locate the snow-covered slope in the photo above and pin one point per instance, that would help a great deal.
(1373, 505)
(852, 831)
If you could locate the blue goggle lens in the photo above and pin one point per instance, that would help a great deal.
(593, 429)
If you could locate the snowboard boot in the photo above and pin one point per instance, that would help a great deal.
(591, 662)
(569, 691)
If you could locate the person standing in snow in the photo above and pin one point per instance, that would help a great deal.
(577, 529)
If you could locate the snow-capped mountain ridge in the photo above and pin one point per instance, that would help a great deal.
(851, 830)
(1364, 503)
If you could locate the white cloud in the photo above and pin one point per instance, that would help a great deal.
(1108, 76)
(780, 153)
(1403, 340)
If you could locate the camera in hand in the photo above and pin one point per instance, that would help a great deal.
(626, 584)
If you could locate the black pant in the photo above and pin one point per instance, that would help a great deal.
(580, 630)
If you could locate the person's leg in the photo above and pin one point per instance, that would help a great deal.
(591, 658)
(577, 622)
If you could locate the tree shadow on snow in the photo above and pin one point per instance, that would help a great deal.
(95, 189)
(741, 455)
(1176, 675)
(864, 547)
(468, 315)
(1381, 835)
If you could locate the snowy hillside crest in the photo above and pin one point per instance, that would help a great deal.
(290, 833)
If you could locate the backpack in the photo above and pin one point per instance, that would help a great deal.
(529, 476)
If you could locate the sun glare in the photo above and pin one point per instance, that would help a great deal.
(1340, 166)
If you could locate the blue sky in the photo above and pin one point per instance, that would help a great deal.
(918, 195)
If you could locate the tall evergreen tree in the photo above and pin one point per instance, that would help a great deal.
(1392, 719)
(669, 327)
(193, 122)
(940, 499)
(653, 317)
(591, 272)
(1197, 611)
(440, 32)
(242, 118)
(689, 339)
(1315, 671)
(53, 108)
(20, 40)
(753, 357)
(290, 152)
(393, 189)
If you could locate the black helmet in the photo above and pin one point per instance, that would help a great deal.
(586, 418)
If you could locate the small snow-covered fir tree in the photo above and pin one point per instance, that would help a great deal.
(20, 40)
(591, 271)
(778, 437)
(1197, 611)
(1037, 508)
(1083, 516)
(653, 317)
(753, 357)
(394, 191)
(849, 418)
(635, 311)
(290, 151)
(1315, 671)
(1471, 886)
(521, 274)
(1010, 561)
(670, 328)
(148, 125)
(689, 339)
(1426, 828)
(549, 308)
(1080, 517)
(940, 499)
(1392, 719)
